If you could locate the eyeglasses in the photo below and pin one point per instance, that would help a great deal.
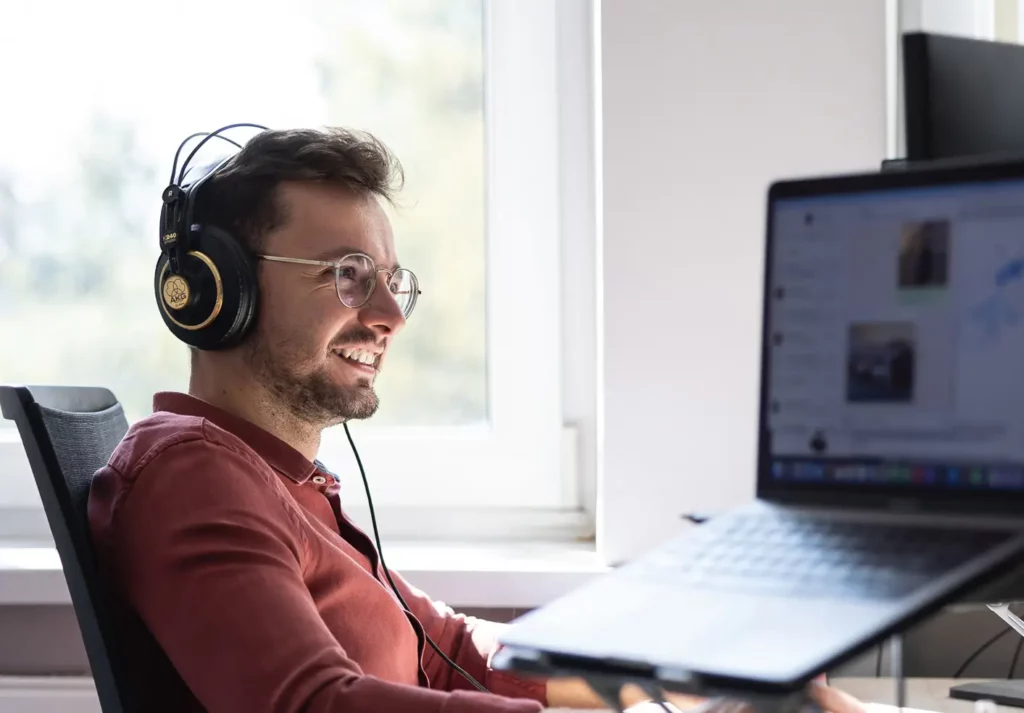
(355, 278)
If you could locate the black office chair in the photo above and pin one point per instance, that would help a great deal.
(68, 434)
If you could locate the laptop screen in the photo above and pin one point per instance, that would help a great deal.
(895, 338)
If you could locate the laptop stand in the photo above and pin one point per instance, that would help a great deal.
(1008, 692)
(609, 686)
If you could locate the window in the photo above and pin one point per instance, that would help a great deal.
(464, 91)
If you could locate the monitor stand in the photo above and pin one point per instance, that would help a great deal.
(1004, 693)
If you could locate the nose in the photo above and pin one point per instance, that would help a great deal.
(381, 312)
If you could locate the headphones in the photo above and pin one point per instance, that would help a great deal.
(205, 280)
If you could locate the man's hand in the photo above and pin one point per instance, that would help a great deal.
(569, 693)
(831, 700)
(575, 693)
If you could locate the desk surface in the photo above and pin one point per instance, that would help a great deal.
(929, 694)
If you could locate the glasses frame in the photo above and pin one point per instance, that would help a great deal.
(336, 264)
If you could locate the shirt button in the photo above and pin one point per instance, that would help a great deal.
(319, 479)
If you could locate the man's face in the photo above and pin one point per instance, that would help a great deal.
(305, 337)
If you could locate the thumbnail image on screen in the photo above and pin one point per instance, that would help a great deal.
(880, 362)
(924, 254)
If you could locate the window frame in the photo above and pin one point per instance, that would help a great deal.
(968, 18)
(531, 470)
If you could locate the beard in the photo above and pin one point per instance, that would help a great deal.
(311, 396)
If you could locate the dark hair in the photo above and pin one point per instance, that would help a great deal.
(242, 197)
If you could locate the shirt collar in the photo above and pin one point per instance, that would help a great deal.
(278, 454)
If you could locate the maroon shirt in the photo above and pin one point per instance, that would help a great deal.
(234, 550)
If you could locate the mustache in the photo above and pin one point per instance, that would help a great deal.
(355, 337)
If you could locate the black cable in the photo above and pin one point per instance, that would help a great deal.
(380, 552)
(1016, 655)
(213, 135)
(878, 662)
(177, 154)
(656, 694)
(981, 649)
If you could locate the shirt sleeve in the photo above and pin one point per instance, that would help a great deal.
(471, 643)
(210, 558)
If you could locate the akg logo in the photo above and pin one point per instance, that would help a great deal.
(176, 292)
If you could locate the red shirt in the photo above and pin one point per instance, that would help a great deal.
(234, 550)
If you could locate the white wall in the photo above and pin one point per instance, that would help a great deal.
(704, 103)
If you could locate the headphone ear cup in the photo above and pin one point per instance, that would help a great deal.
(241, 269)
(212, 302)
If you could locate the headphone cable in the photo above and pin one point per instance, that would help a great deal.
(218, 134)
(177, 154)
(380, 552)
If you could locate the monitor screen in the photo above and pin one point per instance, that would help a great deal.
(894, 331)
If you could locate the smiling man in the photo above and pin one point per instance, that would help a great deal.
(214, 524)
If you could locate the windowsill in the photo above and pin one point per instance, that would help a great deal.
(517, 575)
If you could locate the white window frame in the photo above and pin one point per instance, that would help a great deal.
(530, 472)
(966, 18)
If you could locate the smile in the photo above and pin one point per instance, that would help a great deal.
(360, 357)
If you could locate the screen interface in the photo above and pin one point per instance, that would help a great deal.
(895, 338)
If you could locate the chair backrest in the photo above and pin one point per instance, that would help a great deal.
(69, 433)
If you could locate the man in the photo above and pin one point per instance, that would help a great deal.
(218, 529)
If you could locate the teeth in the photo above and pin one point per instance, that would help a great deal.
(363, 357)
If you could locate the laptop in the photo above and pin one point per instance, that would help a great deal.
(890, 469)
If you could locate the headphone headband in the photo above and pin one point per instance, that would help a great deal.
(176, 214)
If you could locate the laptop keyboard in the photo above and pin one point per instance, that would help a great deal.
(798, 556)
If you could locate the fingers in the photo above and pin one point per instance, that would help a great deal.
(685, 703)
(651, 707)
(835, 701)
(831, 700)
(689, 704)
(725, 705)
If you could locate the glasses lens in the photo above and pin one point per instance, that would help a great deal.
(354, 280)
(405, 289)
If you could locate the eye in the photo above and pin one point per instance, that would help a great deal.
(354, 270)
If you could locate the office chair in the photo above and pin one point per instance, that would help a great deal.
(69, 433)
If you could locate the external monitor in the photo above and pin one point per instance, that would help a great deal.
(963, 97)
